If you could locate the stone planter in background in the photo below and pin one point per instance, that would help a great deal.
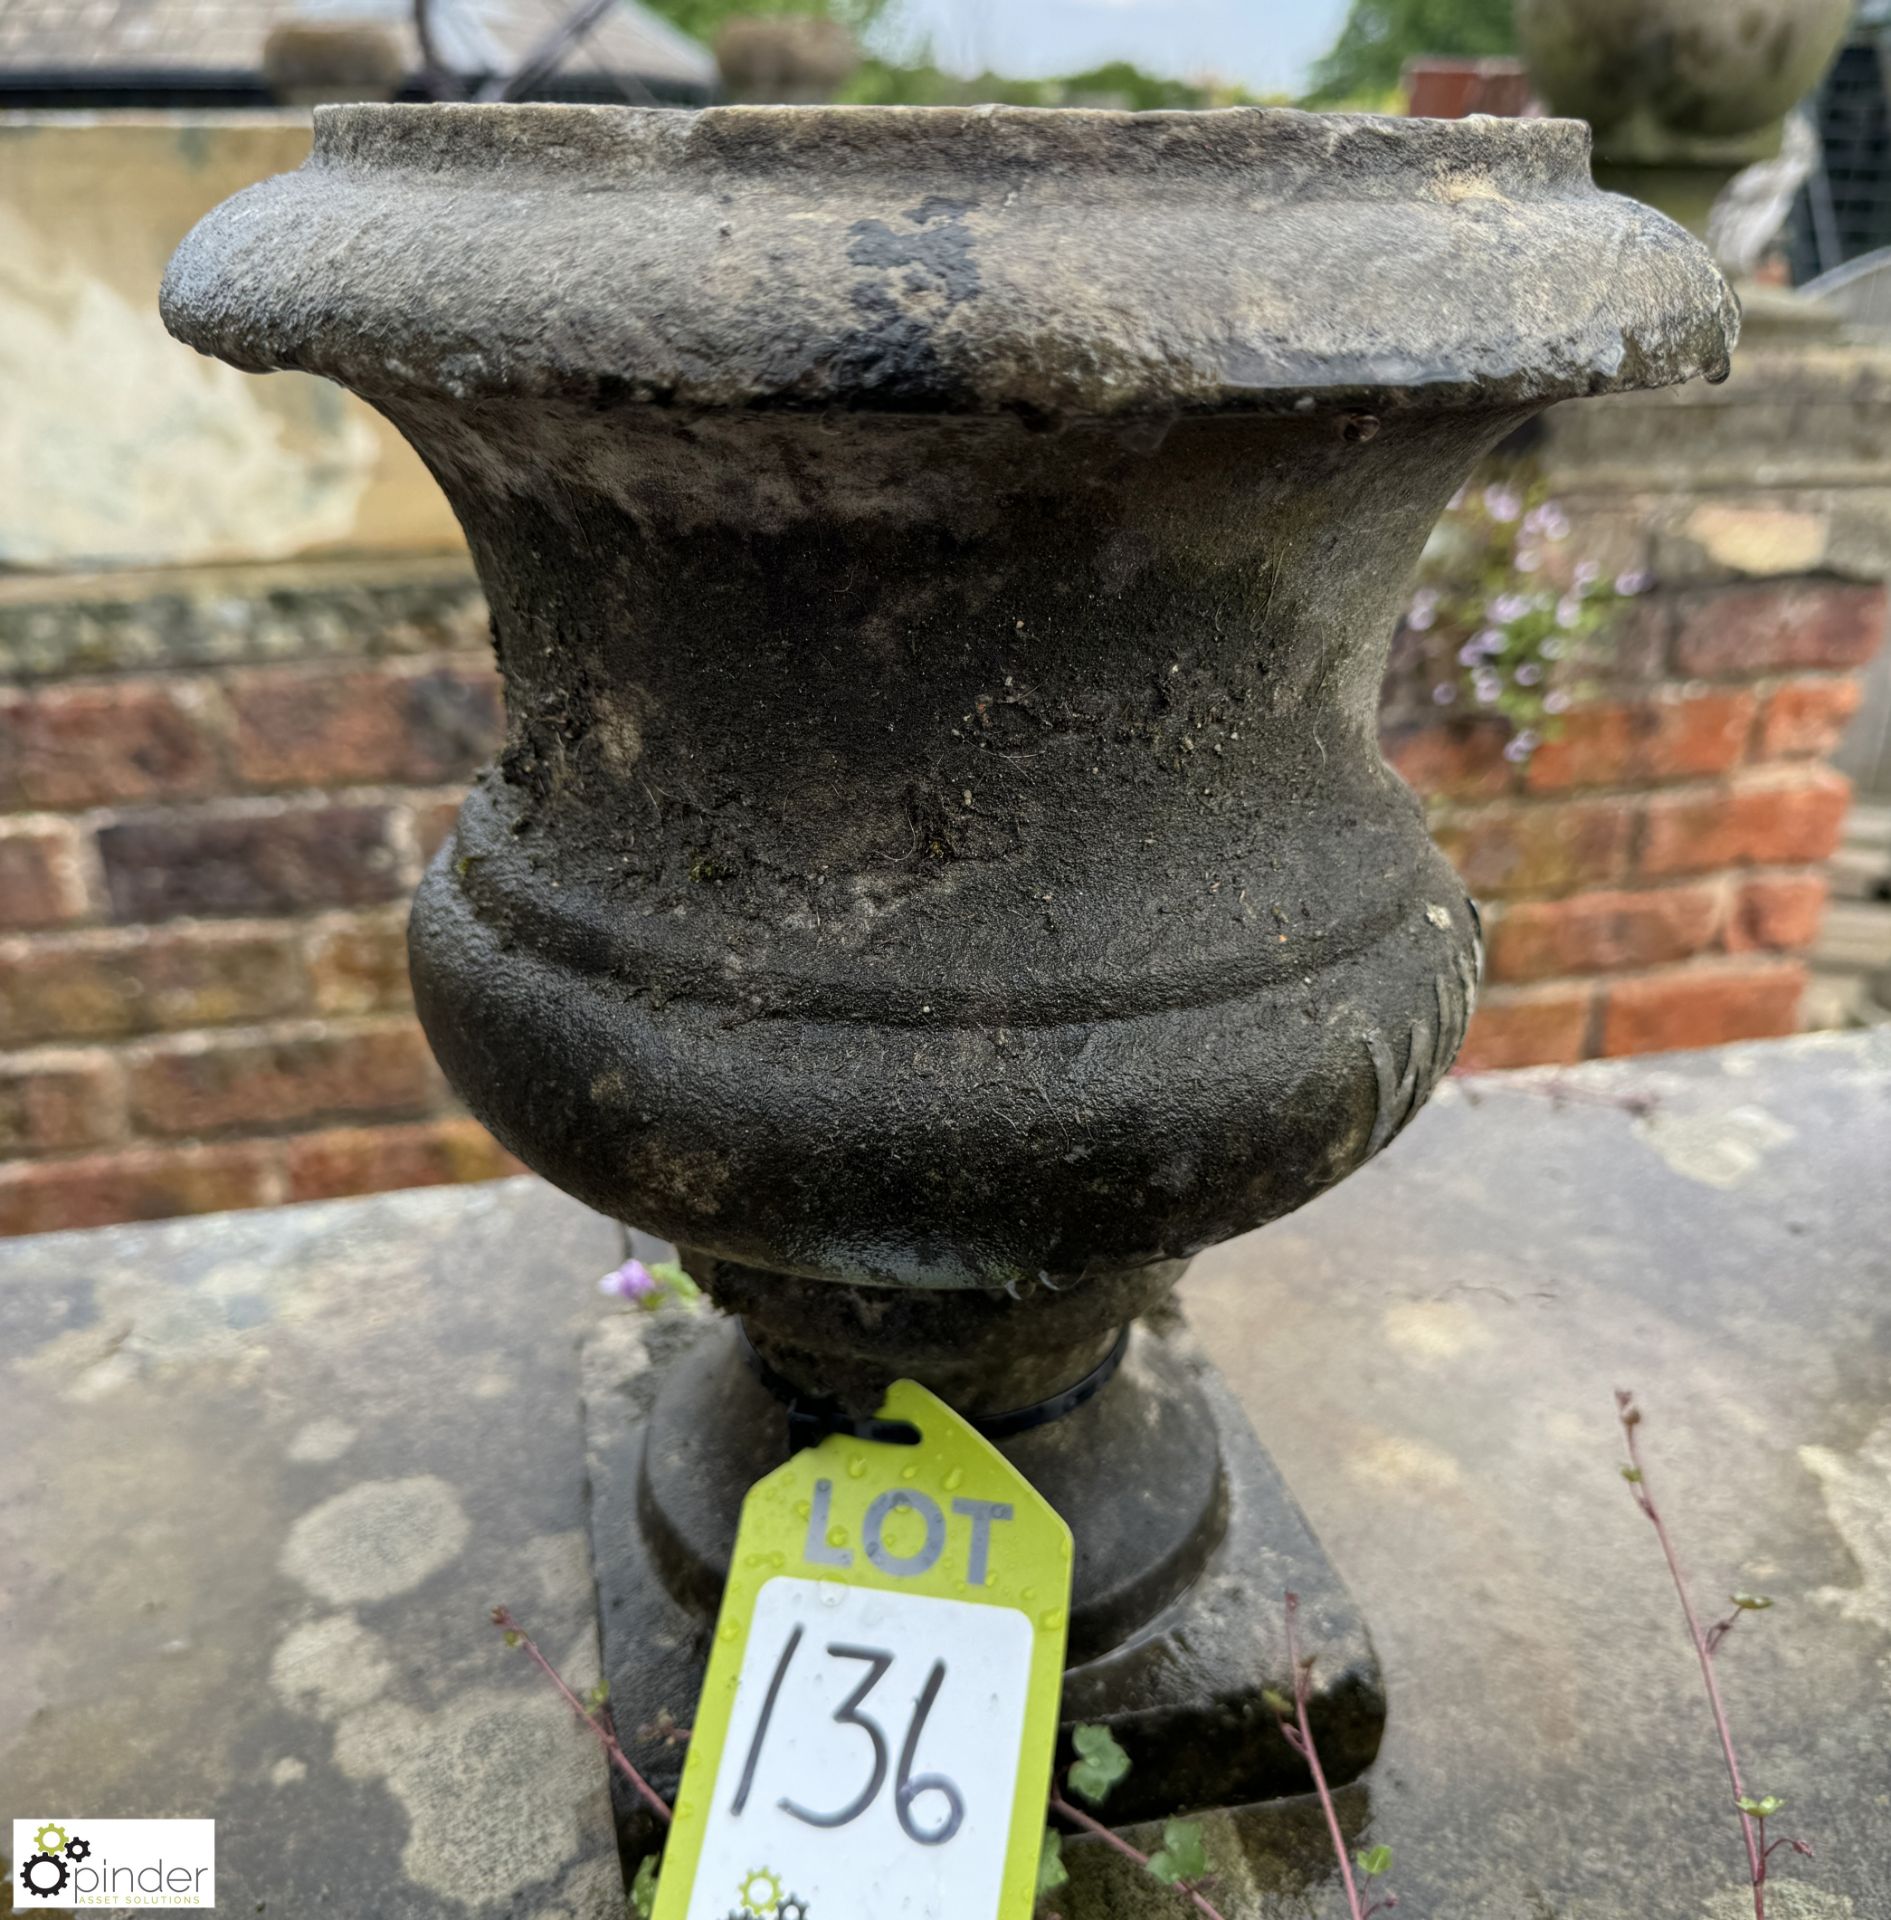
(1682, 94)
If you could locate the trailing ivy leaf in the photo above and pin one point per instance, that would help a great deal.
(1761, 1809)
(643, 1889)
(1277, 1703)
(1751, 1602)
(1375, 1861)
(1182, 1855)
(1051, 1871)
(676, 1283)
(1100, 1765)
(1632, 1475)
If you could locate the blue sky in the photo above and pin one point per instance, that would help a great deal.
(1264, 44)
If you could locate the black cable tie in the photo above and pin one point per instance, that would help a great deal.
(811, 1419)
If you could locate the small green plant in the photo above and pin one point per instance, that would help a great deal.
(1101, 1764)
(1296, 1728)
(651, 1287)
(1507, 617)
(1754, 1810)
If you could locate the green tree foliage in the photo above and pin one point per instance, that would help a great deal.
(703, 17)
(1381, 35)
(880, 84)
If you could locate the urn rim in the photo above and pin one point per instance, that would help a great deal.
(1051, 263)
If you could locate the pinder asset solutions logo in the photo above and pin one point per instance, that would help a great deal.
(128, 1865)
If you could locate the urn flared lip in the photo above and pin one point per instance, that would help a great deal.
(1055, 264)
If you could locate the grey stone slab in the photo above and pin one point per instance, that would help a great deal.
(262, 1476)
(1430, 1352)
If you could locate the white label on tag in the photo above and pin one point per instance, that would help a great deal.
(871, 1761)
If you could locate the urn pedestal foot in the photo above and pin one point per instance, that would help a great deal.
(1187, 1542)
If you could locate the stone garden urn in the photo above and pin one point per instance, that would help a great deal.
(1682, 94)
(940, 871)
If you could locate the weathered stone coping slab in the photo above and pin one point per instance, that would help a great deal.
(191, 1413)
(263, 1476)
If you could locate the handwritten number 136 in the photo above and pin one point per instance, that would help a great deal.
(906, 1787)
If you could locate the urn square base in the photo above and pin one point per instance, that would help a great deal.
(1183, 1692)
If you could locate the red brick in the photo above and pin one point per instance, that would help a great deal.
(1528, 1027)
(1764, 821)
(274, 1077)
(1702, 1006)
(334, 726)
(141, 1183)
(1603, 932)
(91, 746)
(114, 981)
(358, 963)
(1778, 913)
(254, 857)
(1684, 736)
(1539, 849)
(343, 1160)
(58, 1101)
(434, 816)
(1638, 642)
(45, 873)
(1750, 630)
(1804, 719)
(1455, 759)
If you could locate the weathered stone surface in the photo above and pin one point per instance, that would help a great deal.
(1691, 67)
(969, 260)
(1682, 93)
(1431, 1352)
(263, 1477)
(754, 943)
(1171, 1639)
(939, 871)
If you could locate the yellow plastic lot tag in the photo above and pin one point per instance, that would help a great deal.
(877, 1725)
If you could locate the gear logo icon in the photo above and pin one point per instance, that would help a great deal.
(793, 1908)
(760, 1894)
(44, 1875)
(46, 1871)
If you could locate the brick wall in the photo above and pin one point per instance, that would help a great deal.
(215, 801)
(217, 792)
(1651, 879)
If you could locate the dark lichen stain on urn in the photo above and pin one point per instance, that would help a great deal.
(924, 269)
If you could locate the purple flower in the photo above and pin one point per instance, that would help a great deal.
(1487, 686)
(632, 1281)
(1521, 747)
(1551, 648)
(1588, 572)
(1508, 607)
(1528, 560)
(1421, 618)
(1568, 610)
(1503, 503)
(1556, 701)
(1443, 693)
(1547, 522)
(1630, 584)
(1528, 673)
